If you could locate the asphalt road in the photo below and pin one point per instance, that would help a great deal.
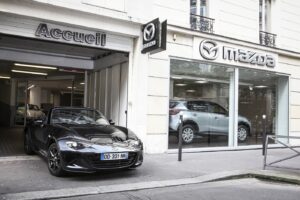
(246, 189)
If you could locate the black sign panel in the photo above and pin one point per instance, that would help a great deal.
(154, 36)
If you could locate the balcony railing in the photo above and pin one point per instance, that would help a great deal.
(267, 39)
(201, 23)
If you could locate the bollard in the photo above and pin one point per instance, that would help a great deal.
(264, 135)
(180, 139)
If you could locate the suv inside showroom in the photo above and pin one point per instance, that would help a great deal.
(202, 118)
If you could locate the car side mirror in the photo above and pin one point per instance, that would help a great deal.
(111, 122)
(40, 122)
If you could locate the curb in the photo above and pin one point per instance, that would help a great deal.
(18, 158)
(82, 191)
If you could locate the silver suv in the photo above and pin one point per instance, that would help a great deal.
(203, 117)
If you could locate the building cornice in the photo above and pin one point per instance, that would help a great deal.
(221, 38)
(60, 14)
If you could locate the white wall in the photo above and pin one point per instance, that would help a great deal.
(237, 19)
(175, 11)
(292, 66)
(289, 25)
(35, 96)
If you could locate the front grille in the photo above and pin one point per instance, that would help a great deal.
(110, 164)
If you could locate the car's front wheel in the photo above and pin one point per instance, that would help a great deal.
(55, 161)
(188, 133)
(243, 132)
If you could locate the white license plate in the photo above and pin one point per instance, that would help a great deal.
(114, 156)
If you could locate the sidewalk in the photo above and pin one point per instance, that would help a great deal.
(27, 175)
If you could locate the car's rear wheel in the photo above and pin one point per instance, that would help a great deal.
(188, 133)
(55, 161)
(27, 144)
(243, 132)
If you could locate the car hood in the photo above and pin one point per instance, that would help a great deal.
(98, 133)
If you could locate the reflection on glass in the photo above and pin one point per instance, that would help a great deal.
(20, 103)
(258, 91)
(200, 93)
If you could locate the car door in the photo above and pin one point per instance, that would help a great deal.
(220, 119)
(41, 131)
(200, 114)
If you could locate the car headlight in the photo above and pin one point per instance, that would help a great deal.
(134, 142)
(78, 145)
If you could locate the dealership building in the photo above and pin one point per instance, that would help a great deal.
(231, 68)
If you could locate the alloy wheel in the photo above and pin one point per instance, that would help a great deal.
(242, 133)
(188, 134)
(54, 161)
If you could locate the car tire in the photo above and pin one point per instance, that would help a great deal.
(27, 143)
(54, 161)
(243, 133)
(188, 133)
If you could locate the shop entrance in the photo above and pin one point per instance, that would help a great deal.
(37, 75)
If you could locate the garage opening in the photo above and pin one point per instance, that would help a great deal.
(36, 75)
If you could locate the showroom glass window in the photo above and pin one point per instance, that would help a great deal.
(200, 93)
(263, 101)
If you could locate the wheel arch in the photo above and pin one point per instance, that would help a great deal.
(192, 123)
(51, 140)
(247, 125)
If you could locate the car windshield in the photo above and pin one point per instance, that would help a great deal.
(77, 116)
(33, 107)
(173, 104)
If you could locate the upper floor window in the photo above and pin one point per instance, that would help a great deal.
(199, 20)
(194, 7)
(203, 8)
(264, 15)
(266, 37)
(198, 7)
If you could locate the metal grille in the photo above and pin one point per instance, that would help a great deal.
(109, 164)
(201, 23)
(267, 39)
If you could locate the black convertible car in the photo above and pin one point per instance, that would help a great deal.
(82, 140)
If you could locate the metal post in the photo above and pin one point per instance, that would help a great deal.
(85, 89)
(26, 102)
(180, 139)
(264, 135)
(126, 117)
(72, 93)
(265, 152)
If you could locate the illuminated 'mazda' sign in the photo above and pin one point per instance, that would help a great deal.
(97, 38)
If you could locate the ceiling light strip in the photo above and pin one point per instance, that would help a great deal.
(5, 77)
(29, 72)
(34, 66)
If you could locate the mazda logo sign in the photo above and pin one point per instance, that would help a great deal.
(154, 36)
(209, 49)
(149, 32)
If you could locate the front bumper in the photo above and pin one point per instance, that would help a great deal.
(88, 160)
